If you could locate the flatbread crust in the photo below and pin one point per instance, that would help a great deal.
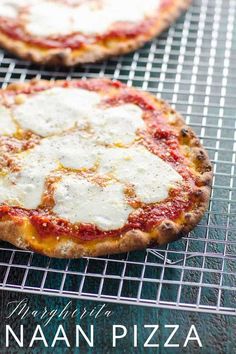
(96, 51)
(19, 230)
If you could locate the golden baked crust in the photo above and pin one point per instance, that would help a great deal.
(19, 230)
(90, 53)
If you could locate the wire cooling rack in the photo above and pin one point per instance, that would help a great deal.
(193, 66)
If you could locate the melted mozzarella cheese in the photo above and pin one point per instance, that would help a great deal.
(126, 120)
(81, 201)
(89, 17)
(40, 24)
(75, 152)
(7, 125)
(150, 175)
(55, 110)
(10, 8)
(25, 188)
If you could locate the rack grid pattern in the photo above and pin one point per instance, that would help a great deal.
(192, 65)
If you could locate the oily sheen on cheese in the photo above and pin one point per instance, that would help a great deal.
(91, 152)
(87, 17)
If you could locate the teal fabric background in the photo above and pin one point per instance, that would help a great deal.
(217, 332)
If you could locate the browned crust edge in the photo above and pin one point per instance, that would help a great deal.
(94, 52)
(166, 232)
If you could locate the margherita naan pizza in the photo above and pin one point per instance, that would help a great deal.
(68, 32)
(92, 167)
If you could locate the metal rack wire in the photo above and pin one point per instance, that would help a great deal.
(193, 66)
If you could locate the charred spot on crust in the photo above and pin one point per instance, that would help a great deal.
(201, 156)
(167, 225)
(198, 193)
(187, 137)
(184, 132)
(188, 216)
(208, 168)
(61, 56)
(134, 239)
